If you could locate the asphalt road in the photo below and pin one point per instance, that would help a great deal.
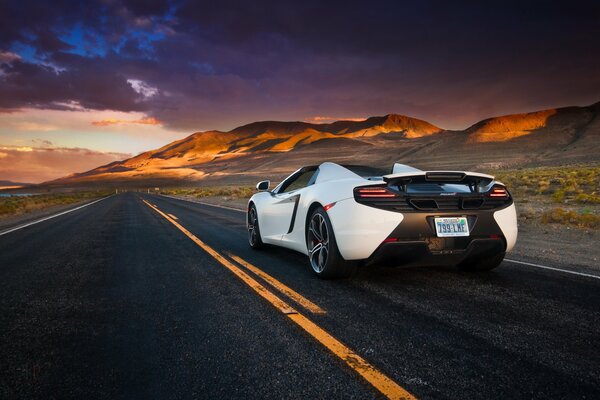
(114, 301)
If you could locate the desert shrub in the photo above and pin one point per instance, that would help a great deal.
(588, 198)
(559, 195)
(560, 215)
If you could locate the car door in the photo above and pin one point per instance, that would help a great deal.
(279, 215)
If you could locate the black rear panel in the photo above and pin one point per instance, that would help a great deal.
(399, 199)
(414, 241)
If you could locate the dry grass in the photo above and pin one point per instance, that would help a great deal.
(16, 205)
(569, 217)
(566, 195)
(233, 192)
(578, 185)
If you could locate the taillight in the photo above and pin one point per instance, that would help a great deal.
(499, 191)
(373, 192)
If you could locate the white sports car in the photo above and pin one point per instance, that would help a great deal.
(342, 215)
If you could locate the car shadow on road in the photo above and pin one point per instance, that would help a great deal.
(431, 275)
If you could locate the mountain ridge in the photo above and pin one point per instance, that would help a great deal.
(507, 140)
(5, 183)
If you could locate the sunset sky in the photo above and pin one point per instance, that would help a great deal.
(87, 83)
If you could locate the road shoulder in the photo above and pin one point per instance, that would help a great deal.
(14, 221)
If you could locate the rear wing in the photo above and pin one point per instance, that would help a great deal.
(473, 179)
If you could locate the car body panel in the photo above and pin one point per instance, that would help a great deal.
(507, 220)
(360, 229)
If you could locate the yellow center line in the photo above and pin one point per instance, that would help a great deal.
(381, 382)
(174, 217)
(261, 290)
(377, 379)
(289, 292)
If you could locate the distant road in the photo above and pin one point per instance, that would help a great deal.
(141, 296)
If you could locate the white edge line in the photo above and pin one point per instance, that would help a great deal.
(52, 216)
(553, 269)
(203, 203)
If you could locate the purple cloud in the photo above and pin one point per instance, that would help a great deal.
(198, 65)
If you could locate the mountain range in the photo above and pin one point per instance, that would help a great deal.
(273, 148)
(11, 184)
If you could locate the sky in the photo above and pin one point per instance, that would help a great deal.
(87, 83)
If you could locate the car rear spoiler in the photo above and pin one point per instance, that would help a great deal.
(458, 177)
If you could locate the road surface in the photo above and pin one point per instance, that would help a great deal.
(141, 296)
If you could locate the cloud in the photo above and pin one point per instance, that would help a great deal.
(195, 65)
(39, 164)
(75, 130)
(42, 142)
(19, 149)
(142, 121)
(33, 126)
(142, 87)
(86, 83)
(8, 56)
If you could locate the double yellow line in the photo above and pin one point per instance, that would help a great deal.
(377, 379)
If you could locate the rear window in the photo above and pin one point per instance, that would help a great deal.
(427, 187)
(367, 172)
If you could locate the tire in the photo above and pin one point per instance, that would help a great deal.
(482, 264)
(254, 238)
(323, 254)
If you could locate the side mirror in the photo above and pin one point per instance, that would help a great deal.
(263, 186)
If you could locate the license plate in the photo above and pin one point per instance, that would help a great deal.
(451, 226)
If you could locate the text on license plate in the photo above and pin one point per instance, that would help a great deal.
(451, 226)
